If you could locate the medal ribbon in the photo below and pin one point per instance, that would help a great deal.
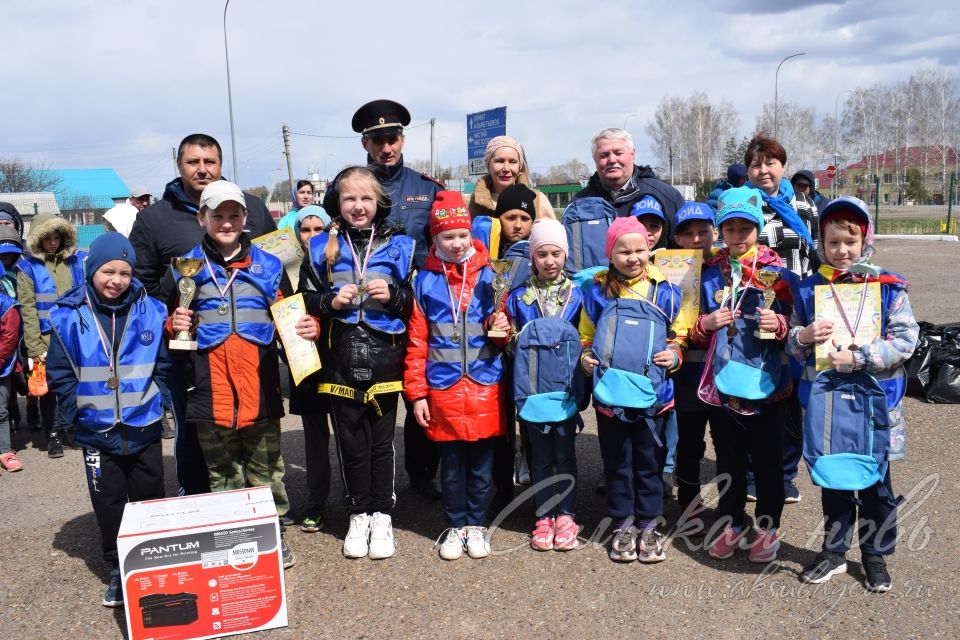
(455, 308)
(362, 270)
(843, 312)
(736, 271)
(101, 334)
(213, 276)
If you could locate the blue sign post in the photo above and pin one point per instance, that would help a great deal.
(481, 127)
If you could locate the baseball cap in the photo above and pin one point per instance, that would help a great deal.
(694, 211)
(139, 191)
(648, 205)
(220, 191)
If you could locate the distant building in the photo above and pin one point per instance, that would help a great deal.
(84, 194)
(933, 163)
(32, 204)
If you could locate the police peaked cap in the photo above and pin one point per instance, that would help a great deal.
(380, 118)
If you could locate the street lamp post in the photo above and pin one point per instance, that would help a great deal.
(776, 91)
(226, 53)
(836, 139)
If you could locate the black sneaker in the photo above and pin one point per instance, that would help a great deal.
(287, 521)
(791, 495)
(824, 566)
(55, 447)
(288, 558)
(113, 596)
(312, 521)
(166, 426)
(751, 492)
(878, 580)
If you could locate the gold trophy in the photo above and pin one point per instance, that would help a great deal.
(768, 278)
(500, 287)
(186, 267)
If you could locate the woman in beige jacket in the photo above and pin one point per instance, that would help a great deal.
(506, 165)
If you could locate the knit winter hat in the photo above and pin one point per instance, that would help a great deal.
(621, 227)
(517, 196)
(504, 141)
(107, 247)
(10, 240)
(741, 202)
(548, 231)
(737, 174)
(449, 212)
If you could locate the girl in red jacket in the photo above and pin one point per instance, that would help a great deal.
(453, 371)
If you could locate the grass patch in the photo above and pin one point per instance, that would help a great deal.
(915, 226)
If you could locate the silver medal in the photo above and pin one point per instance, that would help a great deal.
(455, 338)
(222, 309)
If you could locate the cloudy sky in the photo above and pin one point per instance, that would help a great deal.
(111, 83)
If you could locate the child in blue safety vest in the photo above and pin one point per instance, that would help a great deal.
(108, 364)
(846, 234)
(235, 403)
(11, 337)
(630, 343)
(51, 267)
(746, 371)
(548, 303)
(454, 371)
(694, 229)
(363, 264)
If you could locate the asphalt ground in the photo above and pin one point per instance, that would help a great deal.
(52, 577)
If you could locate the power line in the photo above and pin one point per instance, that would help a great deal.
(318, 135)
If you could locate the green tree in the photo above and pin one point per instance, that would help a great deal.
(916, 190)
(733, 152)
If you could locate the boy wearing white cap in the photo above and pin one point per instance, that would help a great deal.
(235, 404)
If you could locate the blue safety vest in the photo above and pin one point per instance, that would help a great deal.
(474, 356)
(136, 401)
(893, 382)
(391, 261)
(45, 287)
(6, 304)
(245, 309)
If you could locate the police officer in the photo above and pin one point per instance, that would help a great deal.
(380, 124)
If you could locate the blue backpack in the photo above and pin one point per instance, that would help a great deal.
(586, 221)
(548, 383)
(744, 366)
(628, 333)
(846, 431)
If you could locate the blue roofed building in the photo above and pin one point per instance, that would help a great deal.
(84, 194)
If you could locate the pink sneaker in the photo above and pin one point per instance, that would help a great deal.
(765, 546)
(542, 539)
(11, 462)
(565, 534)
(727, 543)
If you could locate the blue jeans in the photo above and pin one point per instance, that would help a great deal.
(553, 447)
(466, 477)
(672, 437)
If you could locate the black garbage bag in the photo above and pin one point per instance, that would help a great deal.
(918, 366)
(945, 368)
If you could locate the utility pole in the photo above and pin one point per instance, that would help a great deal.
(433, 147)
(176, 168)
(286, 151)
(670, 149)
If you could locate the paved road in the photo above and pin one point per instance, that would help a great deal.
(52, 576)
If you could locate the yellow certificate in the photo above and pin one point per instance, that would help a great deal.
(826, 307)
(283, 244)
(682, 268)
(302, 355)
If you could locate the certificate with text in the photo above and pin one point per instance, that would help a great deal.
(302, 355)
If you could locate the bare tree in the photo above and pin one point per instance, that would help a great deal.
(690, 135)
(17, 176)
(569, 172)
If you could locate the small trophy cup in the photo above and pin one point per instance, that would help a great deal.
(186, 267)
(768, 277)
(500, 286)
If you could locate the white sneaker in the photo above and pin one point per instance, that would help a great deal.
(477, 546)
(452, 546)
(356, 544)
(381, 537)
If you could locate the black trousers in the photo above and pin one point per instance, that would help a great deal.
(114, 480)
(760, 436)
(316, 444)
(420, 457)
(691, 428)
(365, 449)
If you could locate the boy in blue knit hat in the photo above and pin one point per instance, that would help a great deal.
(108, 365)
